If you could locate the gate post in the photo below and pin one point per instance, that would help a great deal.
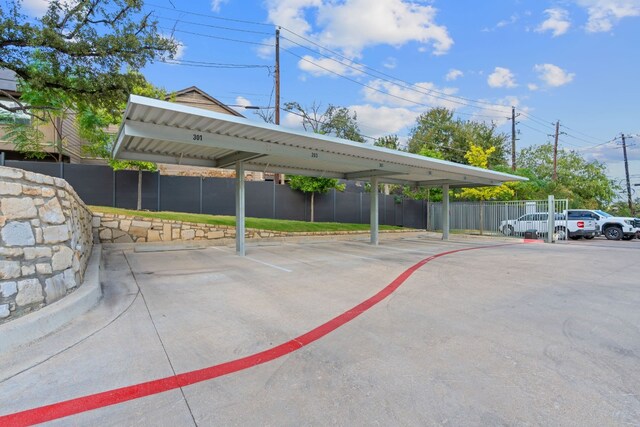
(551, 221)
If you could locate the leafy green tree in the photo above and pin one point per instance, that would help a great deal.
(313, 185)
(85, 44)
(584, 182)
(437, 131)
(479, 157)
(27, 136)
(388, 141)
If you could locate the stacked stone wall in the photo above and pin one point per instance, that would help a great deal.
(45, 241)
(115, 228)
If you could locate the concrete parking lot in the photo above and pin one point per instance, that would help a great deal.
(518, 334)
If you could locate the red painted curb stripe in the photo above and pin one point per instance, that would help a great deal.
(123, 394)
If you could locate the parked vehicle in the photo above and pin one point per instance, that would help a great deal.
(574, 228)
(612, 227)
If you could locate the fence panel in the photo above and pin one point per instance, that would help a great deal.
(512, 218)
(218, 196)
(259, 199)
(180, 193)
(324, 207)
(93, 183)
(349, 210)
(290, 204)
(127, 190)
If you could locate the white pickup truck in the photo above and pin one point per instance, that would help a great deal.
(574, 228)
(612, 227)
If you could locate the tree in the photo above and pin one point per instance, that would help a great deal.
(27, 136)
(479, 157)
(313, 185)
(584, 182)
(336, 121)
(436, 130)
(84, 45)
(388, 141)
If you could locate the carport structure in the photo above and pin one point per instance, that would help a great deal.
(165, 132)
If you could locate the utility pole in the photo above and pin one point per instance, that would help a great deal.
(555, 152)
(513, 138)
(626, 171)
(277, 178)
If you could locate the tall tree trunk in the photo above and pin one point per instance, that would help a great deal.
(139, 206)
(312, 203)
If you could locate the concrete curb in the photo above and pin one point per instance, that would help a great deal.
(36, 325)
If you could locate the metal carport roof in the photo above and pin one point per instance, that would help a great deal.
(166, 132)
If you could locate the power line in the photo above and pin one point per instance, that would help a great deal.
(212, 64)
(178, 20)
(242, 21)
(374, 88)
(580, 133)
(359, 67)
(216, 37)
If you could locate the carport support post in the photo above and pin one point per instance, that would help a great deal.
(373, 221)
(445, 212)
(551, 224)
(240, 208)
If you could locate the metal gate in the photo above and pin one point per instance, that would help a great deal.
(515, 218)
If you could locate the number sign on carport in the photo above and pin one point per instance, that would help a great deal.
(164, 132)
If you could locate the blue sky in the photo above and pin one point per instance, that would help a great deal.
(570, 60)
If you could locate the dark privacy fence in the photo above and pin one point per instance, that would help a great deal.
(101, 186)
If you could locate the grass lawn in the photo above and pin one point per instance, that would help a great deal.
(257, 223)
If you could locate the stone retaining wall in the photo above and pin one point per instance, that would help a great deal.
(45, 241)
(113, 228)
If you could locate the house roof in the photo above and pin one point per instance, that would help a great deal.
(205, 95)
(166, 132)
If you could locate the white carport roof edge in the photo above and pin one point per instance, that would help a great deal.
(150, 122)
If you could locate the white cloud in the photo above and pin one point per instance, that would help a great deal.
(419, 96)
(501, 77)
(603, 14)
(378, 121)
(39, 7)
(453, 74)
(241, 100)
(180, 50)
(36, 7)
(553, 75)
(328, 67)
(504, 23)
(357, 24)
(215, 5)
(532, 86)
(390, 63)
(557, 22)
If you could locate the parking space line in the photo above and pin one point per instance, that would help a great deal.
(286, 270)
(268, 264)
(119, 395)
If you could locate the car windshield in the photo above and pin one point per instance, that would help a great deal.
(604, 214)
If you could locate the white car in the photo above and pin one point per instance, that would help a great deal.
(574, 228)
